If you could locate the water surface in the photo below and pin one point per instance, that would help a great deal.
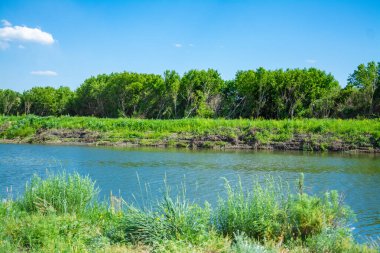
(138, 171)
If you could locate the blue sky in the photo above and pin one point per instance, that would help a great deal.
(63, 42)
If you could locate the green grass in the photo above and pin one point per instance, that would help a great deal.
(266, 218)
(60, 193)
(315, 134)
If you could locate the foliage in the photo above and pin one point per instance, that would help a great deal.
(367, 80)
(45, 101)
(9, 102)
(177, 225)
(58, 193)
(172, 220)
(244, 244)
(316, 134)
(260, 93)
(269, 213)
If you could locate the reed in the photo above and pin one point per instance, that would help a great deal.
(59, 193)
(59, 214)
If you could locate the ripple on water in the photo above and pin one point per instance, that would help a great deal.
(356, 177)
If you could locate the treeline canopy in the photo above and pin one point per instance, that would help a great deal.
(259, 93)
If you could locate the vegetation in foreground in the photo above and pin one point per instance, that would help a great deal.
(62, 214)
(296, 134)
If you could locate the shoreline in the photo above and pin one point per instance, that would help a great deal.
(319, 135)
(298, 143)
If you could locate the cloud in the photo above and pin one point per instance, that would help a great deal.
(178, 45)
(44, 73)
(191, 45)
(5, 22)
(311, 61)
(21, 47)
(23, 34)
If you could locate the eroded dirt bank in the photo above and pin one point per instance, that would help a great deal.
(307, 142)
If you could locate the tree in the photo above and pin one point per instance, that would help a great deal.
(172, 82)
(231, 100)
(134, 95)
(63, 97)
(254, 88)
(9, 102)
(90, 99)
(200, 93)
(321, 92)
(367, 79)
(40, 101)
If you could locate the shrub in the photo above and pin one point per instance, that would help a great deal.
(243, 244)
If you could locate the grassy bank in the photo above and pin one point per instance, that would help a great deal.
(297, 134)
(62, 214)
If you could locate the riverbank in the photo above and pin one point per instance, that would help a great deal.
(62, 212)
(297, 134)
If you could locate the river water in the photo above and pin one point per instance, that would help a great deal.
(139, 174)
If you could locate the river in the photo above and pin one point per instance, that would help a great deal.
(138, 174)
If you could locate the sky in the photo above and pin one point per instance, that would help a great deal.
(62, 42)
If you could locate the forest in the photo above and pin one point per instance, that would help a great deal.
(260, 93)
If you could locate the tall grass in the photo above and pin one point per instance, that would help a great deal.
(319, 134)
(172, 219)
(270, 212)
(59, 193)
(259, 213)
(54, 215)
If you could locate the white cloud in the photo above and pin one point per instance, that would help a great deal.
(5, 22)
(21, 47)
(23, 33)
(178, 45)
(44, 73)
(311, 61)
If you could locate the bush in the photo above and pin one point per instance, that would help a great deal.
(337, 240)
(243, 244)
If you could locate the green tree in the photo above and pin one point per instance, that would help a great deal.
(172, 82)
(200, 93)
(134, 95)
(231, 100)
(321, 91)
(9, 102)
(367, 79)
(40, 101)
(254, 89)
(124, 91)
(90, 96)
(304, 93)
(63, 97)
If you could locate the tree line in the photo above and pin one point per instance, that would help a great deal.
(260, 93)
